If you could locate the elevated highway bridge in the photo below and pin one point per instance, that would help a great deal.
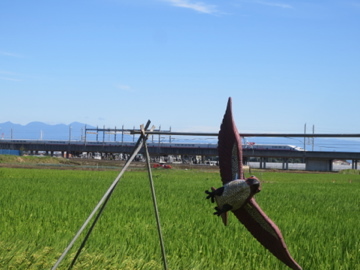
(314, 160)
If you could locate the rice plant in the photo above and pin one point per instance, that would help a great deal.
(41, 210)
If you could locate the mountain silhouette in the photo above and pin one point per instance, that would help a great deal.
(41, 131)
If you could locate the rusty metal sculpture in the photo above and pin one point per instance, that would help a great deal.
(237, 193)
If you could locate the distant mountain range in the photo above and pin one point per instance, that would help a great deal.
(74, 131)
(42, 131)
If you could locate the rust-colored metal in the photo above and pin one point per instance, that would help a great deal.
(249, 213)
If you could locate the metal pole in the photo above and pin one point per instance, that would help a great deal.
(69, 133)
(154, 202)
(84, 138)
(313, 139)
(104, 134)
(300, 135)
(170, 135)
(138, 146)
(304, 137)
(159, 133)
(122, 134)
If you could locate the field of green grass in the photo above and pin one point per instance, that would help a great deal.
(42, 209)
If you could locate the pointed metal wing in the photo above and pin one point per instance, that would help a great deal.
(230, 148)
(251, 215)
(265, 231)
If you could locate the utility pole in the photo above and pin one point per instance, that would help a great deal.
(170, 135)
(69, 134)
(305, 137)
(313, 139)
(122, 134)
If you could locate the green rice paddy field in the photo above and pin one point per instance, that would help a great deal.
(42, 209)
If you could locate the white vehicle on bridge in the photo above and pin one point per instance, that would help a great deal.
(278, 147)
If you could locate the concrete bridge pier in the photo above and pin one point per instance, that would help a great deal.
(49, 153)
(354, 164)
(285, 164)
(262, 163)
(65, 154)
(317, 164)
(245, 160)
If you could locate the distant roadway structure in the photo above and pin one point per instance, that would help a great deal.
(314, 160)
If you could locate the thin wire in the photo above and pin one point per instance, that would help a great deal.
(155, 203)
(138, 146)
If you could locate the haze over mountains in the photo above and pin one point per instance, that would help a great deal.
(74, 132)
(42, 131)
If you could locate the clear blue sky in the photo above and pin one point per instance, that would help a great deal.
(121, 62)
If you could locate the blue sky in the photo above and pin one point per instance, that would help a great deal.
(176, 62)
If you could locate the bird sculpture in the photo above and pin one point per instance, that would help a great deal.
(237, 193)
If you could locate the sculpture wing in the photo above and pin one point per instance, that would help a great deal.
(251, 215)
(229, 148)
(265, 231)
